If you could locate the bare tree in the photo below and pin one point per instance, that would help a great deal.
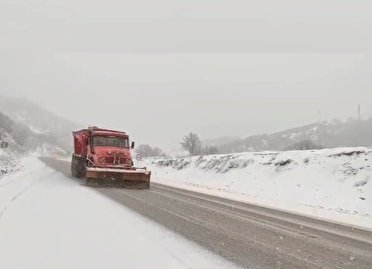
(191, 142)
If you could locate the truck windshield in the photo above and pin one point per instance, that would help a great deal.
(106, 141)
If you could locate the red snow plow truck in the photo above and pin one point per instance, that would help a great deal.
(103, 157)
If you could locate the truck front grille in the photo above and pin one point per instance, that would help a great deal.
(113, 160)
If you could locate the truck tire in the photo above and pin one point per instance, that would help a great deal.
(78, 166)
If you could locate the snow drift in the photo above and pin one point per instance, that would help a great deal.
(8, 163)
(328, 183)
(9, 157)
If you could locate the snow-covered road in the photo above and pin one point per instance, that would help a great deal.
(50, 221)
(331, 184)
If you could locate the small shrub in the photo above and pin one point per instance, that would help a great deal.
(283, 163)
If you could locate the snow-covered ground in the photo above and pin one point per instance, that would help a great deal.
(334, 184)
(50, 221)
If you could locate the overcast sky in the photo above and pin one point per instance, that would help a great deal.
(159, 69)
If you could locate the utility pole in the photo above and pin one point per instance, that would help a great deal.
(359, 113)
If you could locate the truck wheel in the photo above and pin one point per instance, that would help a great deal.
(78, 167)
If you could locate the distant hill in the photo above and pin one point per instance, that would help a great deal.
(323, 134)
(43, 124)
(20, 140)
(220, 141)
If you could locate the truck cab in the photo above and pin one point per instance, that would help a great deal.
(108, 149)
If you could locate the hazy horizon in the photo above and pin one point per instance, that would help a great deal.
(218, 69)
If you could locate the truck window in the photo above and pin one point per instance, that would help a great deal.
(106, 141)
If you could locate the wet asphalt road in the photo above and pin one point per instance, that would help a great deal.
(249, 235)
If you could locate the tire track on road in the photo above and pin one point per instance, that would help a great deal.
(20, 193)
(249, 235)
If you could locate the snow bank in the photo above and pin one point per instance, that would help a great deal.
(331, 183)
(9, 162)
(10, 158)
(50, 221)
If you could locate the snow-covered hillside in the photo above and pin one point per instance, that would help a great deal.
(21, 141)
(9, 157)
(40, 124)
(329, 183)
(325, 134)
(9, 163)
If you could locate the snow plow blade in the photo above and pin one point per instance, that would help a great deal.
(136, 178)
